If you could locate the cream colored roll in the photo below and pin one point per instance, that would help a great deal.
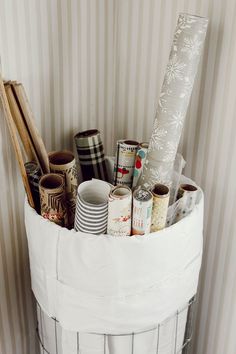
(119, 211)
(161, 195)
(52, 198)
(63, 162)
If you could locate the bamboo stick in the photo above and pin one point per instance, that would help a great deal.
(36, 139)
(19, 122)
(15, 142)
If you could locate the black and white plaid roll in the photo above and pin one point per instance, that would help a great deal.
(34, 174)
(92, 207)
(91, 155)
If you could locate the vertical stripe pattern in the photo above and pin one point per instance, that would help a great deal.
(100, 64)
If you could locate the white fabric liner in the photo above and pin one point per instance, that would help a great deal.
(113, 285)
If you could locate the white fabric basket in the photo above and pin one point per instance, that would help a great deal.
(113, 285)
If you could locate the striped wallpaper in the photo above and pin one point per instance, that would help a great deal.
(100, 63)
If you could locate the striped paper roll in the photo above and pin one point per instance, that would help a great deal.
(142, 212)
(91, 155)
(92, 207)
(139, 162)
(52, 198)
(34, 174)
(119, 211)
(124, 162)
(161, 195)
(63, 162)
(187, 197)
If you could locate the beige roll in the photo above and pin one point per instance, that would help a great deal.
(52, 198)
(161, 196)
(63, 162)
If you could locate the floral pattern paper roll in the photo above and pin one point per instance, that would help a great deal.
(34, 174)
(174, 99)
(119, 211)
(161, 195)
(139, 162)
(124, 162)
(142, 212)
(186, 200)
(63, 162)
(52, 198)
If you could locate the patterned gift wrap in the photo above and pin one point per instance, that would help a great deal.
(52, 198)
(124, 162)
(34, 174)
(139, 162)
(187, 197)
(63, 162)
(92, 207)
(142, 212)
(91, 155)
(161, 195)
(119, 211)
(174, 99)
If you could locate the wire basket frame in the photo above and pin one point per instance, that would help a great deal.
(172, 336)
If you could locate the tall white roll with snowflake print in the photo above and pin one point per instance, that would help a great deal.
(174, 99)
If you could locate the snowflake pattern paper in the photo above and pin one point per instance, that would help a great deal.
(174, 99)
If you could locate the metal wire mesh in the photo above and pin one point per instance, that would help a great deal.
(172, 336)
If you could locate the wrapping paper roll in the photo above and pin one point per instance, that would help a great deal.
(52, 198)
(139, 162)
(63, 162)
(187, 197)
(91, 155)
(161, 195)
(142, 212)
(124, 162)
(174, 99)
(119, 211)
(92, 207)
(34, 174)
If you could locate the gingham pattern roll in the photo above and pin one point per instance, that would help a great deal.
(34, 173)
(91, 155)
(92, 207)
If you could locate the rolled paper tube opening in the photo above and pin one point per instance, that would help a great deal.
(188, 187)
(87, 133)
(160, 190)
(61, 157)
(131, 142)
(121, 191)
(51, 181)
(31, 167)
(144, 145)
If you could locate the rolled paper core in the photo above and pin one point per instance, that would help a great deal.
(161, 195)
(63, 162)
(61, 157)
(188, 188)
(186, 200)
(139, 162)
(119, 211)
(34, 174)
(52, 198)
(174, 99)
(91, 155)
(142, 211)
(92, 207)
(125, 162)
